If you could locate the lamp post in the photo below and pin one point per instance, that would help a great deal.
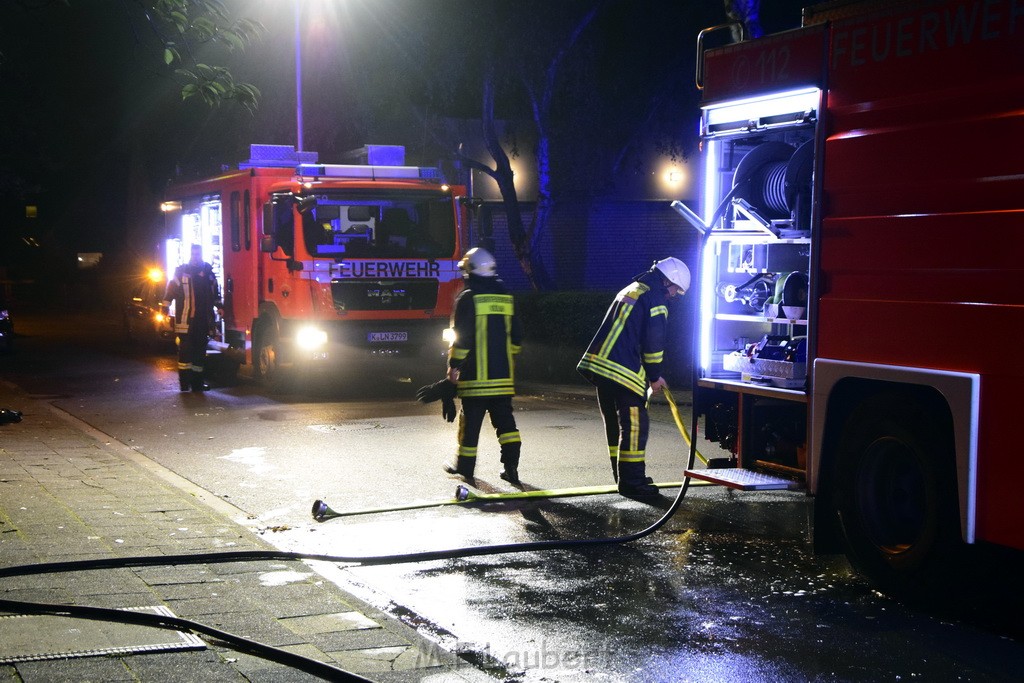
(298, 77)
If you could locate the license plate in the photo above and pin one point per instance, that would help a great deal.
(387, 336)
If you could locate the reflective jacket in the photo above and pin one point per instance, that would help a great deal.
(195, 294)
(487, 337)
(629, 347)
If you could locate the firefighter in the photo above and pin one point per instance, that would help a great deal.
(481, 364)
(624, 362)
(196, 297)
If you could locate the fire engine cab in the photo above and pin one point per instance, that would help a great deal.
(861, 214)
(324, 263)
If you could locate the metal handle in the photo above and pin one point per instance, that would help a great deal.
(699, 76)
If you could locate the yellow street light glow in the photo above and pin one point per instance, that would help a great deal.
(170, 206)
(155, 275)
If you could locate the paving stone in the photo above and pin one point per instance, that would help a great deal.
(254, 625)
(356, 640)
(380, 659)
(329, 623)
(183, 667)
(78, 670)
(65, 496)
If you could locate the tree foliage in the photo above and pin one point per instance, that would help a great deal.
(182, 27)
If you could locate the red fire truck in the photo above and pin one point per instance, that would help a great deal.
(863, 216)
(325, 263)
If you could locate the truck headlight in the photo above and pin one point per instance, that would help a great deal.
(310, 338)
(448, 335)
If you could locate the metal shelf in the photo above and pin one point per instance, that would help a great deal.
(740, 387)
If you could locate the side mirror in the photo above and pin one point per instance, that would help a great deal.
(473, 203)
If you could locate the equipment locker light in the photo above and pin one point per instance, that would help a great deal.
(707, 296)
(755, 108)
(709, 202)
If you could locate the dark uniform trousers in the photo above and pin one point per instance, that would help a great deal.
(471, 419)
(192, 347)
(626, 423)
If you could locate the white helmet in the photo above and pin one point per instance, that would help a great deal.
(479, 261)
(675, 271)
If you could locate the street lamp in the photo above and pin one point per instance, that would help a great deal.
(298, 77)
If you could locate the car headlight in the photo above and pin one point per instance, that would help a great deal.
(310, 338)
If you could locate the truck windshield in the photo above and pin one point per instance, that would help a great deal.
(346, 224)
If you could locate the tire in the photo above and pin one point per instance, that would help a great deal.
(266, 367)
(896, 497)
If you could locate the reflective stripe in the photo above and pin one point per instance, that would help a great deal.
(654, 357)
(659, 310)
(479, 390)
(457, 353)
(636, 382)
(509, 437)
(634, 430)
(481, 347)
(613, 451)
(467, 451)
(627, 297)
(492, 304)
(631, 456)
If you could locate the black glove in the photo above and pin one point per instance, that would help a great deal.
(448, 408)
(7, 416)
(443, 391)
(439, 390)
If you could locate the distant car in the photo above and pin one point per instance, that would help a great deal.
(6, 329)
(145, 320)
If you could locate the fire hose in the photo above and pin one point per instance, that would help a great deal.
(309, 665)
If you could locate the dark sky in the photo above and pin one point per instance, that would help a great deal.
(92, 125)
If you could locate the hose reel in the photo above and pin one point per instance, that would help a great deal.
(775, 178)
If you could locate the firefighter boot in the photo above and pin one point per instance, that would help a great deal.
(464, 467)
(510, 459)
(184, 379)
(198, 385)
(633, 482)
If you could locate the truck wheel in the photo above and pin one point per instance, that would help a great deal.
(265, 357)
(896, 495)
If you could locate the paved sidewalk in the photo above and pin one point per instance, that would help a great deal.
(65, 494)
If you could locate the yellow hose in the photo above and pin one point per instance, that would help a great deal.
(679, 422)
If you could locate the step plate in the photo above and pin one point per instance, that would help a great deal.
(745, 480)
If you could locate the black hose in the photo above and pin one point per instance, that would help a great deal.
(309, 665)
(306, 664)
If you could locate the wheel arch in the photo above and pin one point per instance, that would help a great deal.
(841, 386)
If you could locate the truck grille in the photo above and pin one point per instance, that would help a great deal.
(383, 295)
